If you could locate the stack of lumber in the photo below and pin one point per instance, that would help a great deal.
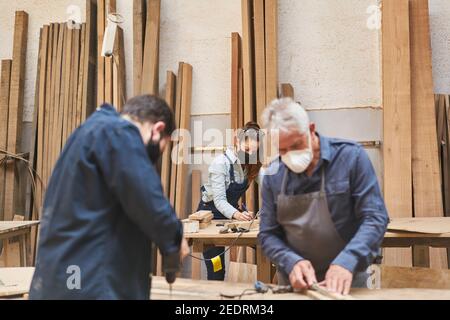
(11, 112)
(412, 182)
(64, 94)
(203, 217)
(146, 30)
(111, 85)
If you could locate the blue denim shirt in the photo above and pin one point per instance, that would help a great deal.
(354, 199)
(103, 208)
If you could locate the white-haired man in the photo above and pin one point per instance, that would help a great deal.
(323, 217)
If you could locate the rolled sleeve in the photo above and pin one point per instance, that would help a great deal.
(371, 213)
(271, 236)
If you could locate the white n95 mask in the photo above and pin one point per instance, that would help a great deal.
(299, 160)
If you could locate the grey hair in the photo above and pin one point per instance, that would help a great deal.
(285, 114)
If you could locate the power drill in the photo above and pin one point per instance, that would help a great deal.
(171, 266)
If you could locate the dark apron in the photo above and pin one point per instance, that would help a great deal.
(309, 230)
(234, 192)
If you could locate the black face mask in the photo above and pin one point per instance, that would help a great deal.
(153, 151)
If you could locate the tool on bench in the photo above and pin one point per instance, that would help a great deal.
(261, 287)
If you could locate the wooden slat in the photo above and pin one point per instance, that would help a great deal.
(101, 24)
(139, 18)
(196, 185)
(425, 165)
(260, 56)
(185, 118)
(80, 76)
(150, 71)
(67, 86)
(75, 71)
(397, 115)
(65, 82)
(89, 93)
(47, 107)
(15, 115)
(5, 83)
(177, 111)
(240, 119)
(287, 91)
(166, 163)
(247, 60)
(235, 64)
(110, 8)
(271, 29)
(119, 83)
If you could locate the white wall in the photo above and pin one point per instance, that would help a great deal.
(326, 51)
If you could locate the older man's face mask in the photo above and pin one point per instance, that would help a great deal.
(299, 160)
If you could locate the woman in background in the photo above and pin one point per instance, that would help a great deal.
(229, 177)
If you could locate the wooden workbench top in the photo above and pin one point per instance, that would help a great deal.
(10, 226)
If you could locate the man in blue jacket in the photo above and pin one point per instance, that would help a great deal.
(104, 207)
(323, 217)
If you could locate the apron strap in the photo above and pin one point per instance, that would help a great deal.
(284, 182)
(232, 178)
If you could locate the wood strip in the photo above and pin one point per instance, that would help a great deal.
(89, 93)
(119, 83)
(287, 91)
(47, 108)
(5, 84)
(15, 115)
(247, 61)
(173, 172)
(235, 64)
(166, 163)
(260, 56)
(185, 118)
(74, 77)
(81, 76)
(271, 28)
(65, 82)
(101, 5)
(397, 115)
(110, 8)
(196, 185)
(41, 107)
(67, 86)
(240, 119)
(150, 71)
(425, 165)
(139, 19)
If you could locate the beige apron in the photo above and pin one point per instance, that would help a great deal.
(309, 229)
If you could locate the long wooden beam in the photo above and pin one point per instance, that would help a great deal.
(271, 29)
(139, 19)
(15, 115)
(235, 65)
(5, 84)
(150, 71)
(397, 118)
(247, 60)
(260, 56)
(425, 164)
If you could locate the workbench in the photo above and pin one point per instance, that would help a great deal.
(404, 236)
(16, 283)
(22, 230)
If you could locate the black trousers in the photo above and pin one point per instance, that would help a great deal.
(212, 253)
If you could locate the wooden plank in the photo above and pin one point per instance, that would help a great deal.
(15, 115)
(166, 163)
(76, 69)
(247, 60)
(65, 82)
(110, 8)
(420, 278)
(173, 172)
(80, 76)
(150, 70)
(139, 19)
(397, 115)
(196, 185)
(287, 91)
(89, 93)
(235, 64)
(101, 24)
(240, 119)
(185, 119)
(425, 165)
(67, 85)
(119, 81)
(5, 83)
(260, 56)
(271, 29)
(421, 225)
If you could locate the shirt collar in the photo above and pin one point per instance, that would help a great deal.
(232, 155)
(108, 108)
(325, 147)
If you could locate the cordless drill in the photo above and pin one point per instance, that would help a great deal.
(171, 266)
